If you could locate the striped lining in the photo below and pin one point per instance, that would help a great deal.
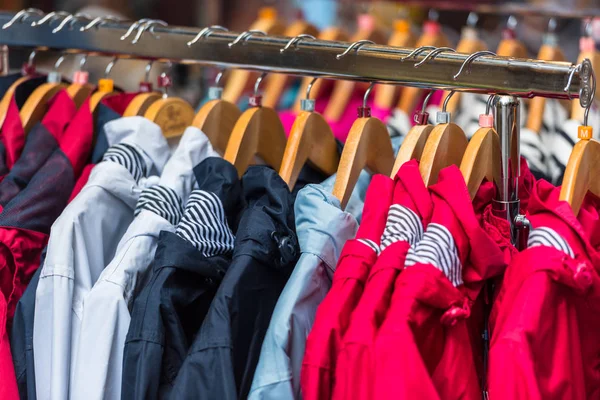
(438, 249)
(534, 151)
(129, 157)
(549, 237)
(371, 244)
(204, 224)
(402, 225)
(162, 201)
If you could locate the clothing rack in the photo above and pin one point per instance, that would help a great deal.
(360, 61)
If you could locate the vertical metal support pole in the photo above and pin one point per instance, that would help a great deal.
(507, 121)
(4, 67)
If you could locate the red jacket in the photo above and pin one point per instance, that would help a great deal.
(354, 375)
(26, 220)
(12, 139)
(545, 343)
(333, 315)
(8, 381)
(424, 348)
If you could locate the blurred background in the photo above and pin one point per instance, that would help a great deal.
(532, 18)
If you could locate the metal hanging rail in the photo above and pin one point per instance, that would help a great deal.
(153, 40)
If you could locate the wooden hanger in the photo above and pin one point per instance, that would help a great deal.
(510, 46)
(330, 34)
(548, 52)
(342, 90)
(368, 146)
(172, 114)
(28, 72)
(239, 79)
(385, 97)
(588, 50)
(581, 174)
(312, 140)
(414, 142)
(36, 105)
(142, 101)
(105, 87)
(445, 146)
(258, 132)
(432, 36)
(217, 117)
(276, 83)
(469, 43)
(477, 162)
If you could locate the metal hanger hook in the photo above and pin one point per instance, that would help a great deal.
(110, 66)
(354, 46)
(98, 22)
(447, 99)
(134, 26)
(22, 15)
(587, 109)
(206, 32)
(567, 89)
(83, 61)
(258, 82)
(219, 77)
(309, 87)
(472, 19)
(148, 26)
(512, 22)
(417, 51)
(367, 93)
(50, 17)
(552, 25)
(426, 101)
(148, 69)
(488, 104)
(245, 36)
(295, 40)
(433, 54)
(71, 19)
(31, 58)
(58, 62)
(470, 60)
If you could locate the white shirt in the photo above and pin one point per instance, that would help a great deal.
(98, 358)
(84, 239)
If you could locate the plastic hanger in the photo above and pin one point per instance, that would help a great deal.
(587, 50)
(258, 132)
(334, 34)
(172, 114)
(414, 142)
(217, 117)
(276, 83)
(368, 146)
(477, 162)
(312, 140)
(80, 89)
(142, 101)
(510, 46)
(367, 33)
(238, 80)
(432, 36)
(385, 97)
(445, 146)
(35, 106)
(105, 87)
(584, 163)
(548, 52)
(469, 43)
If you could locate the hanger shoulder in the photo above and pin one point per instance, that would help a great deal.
(217, 119)
(5, 102)
(581, 174)
(445, 146)
(36, 105)
(275, 83)
(97, 97)
(511, 48)
(385, 96)
(368, 145)
(80, 92)
(172, 114)
(258, 131)
(342, 90)
(140, 103)
(412, 146)
(477, 162)
(310, 140)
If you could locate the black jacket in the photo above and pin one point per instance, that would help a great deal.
(221, 362)
(169, 311)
